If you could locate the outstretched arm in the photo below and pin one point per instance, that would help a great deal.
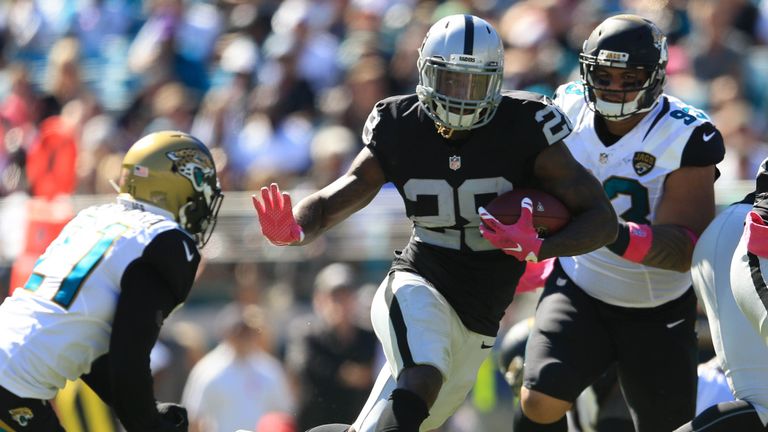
(323, 209)
(594, 222)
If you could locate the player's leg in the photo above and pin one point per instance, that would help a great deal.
(740, 351)
(731, 416)
(751, 294)
(746, 356)
(28, 415)
(567, 350)
(428, 349)
(658, 357)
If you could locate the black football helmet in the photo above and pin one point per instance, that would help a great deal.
(629, 42)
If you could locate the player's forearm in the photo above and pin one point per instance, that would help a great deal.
(672, 248)
(588, 231)
(326, 208)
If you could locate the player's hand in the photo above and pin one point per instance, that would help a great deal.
(174, 417)
(519, 239)
(276, 217)
(757, 235)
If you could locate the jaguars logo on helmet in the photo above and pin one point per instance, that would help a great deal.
(175, 172)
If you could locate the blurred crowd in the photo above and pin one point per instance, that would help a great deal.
(279, 91)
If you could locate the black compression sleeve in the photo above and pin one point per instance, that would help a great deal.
(144, 302)
(98, 379)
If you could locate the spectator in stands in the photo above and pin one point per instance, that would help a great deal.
(332, 359)
(236, 383)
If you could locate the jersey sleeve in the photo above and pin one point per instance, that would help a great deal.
(541, 122)
(175, 257)
(377, 134)
(704, 147)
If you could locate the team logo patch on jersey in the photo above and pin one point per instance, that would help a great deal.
(643, 163)
(21, 415)
(454, 162)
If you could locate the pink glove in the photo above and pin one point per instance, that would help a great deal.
(276, 217)
(757, 235)
(519, 239)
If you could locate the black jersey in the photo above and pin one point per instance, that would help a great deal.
(760, 195)
(444, 181)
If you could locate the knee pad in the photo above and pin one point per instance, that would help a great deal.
(405, 412)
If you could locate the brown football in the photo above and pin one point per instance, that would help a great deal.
(549, 213)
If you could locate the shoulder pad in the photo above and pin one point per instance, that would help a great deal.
(688, 114)
(570, 98)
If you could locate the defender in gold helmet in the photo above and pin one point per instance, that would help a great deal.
(175, 172)
(110, 278)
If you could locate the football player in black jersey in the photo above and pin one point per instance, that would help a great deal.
(630, 303)
(449, 149)
(97, 297)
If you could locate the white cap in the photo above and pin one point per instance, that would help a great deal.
(240, 56)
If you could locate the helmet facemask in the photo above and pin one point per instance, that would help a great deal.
(198, 215)
(459, 98)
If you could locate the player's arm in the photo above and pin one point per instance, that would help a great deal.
(594, 222)
(323, 209)
(686, 208)
(151, 287)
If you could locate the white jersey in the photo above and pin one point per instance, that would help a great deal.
(632, 171)
(54, 327)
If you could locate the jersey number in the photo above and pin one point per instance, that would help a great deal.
(556, 125)
(65, 266)
(466, 204)
(639, 208)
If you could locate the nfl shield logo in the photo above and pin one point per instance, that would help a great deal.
(643, 163)
(454, 162)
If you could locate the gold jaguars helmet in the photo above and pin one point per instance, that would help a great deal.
(174, 171)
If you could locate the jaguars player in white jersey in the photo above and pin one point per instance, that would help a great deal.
(449, 149)
(98, 295)
(729, 270)
(629, 303)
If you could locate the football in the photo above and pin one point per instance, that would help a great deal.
(549, 213)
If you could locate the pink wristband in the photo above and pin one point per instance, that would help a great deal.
(640, 241)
